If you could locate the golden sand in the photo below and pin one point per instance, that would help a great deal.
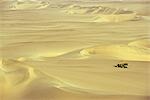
(48, 54)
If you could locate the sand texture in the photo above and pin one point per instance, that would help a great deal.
(69, 50)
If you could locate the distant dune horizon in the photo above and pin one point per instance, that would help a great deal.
(74, 50)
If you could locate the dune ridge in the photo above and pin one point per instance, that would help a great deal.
(48, 54)
(67, 81)
(102, 13)
(27, 5)
(136, 51)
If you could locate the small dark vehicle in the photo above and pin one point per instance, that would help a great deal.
(123, 65)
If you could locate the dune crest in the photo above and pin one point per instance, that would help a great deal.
(145, 43)
(49, 54)
(102, 13)
(134, 51)
(16, 77)
(22, 5)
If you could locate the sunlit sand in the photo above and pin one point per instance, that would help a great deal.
(69, 50)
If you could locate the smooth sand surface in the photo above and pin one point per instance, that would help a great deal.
(48, 54)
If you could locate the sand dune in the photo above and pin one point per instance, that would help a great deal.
(27, 5)
(141, 43)
(102, 13)
(35, 50)
(67, 79)
(16, 77)
(94, 10)
(51, 55)
(137, 51)
(116, 18)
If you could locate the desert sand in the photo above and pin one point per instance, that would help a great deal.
(67, 50)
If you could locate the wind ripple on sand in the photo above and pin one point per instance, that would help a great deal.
(66, 77)
(36, 50)
(69, 78)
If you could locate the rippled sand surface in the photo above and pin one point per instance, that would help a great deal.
(47, 54)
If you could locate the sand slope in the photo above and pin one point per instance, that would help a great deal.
(51, 55)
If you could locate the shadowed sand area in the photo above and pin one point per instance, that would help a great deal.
(68, 50)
